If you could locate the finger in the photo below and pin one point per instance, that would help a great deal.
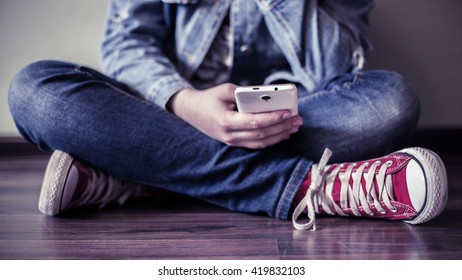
(262, 143)
(240, 121)
(286, 127)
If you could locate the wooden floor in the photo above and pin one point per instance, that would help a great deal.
(182, 228)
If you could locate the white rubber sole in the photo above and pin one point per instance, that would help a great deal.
(54, 182)
(436, 184)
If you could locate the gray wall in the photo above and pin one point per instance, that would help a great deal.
(422, 39)
(32, 30)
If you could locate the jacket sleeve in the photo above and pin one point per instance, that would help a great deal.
(135, 49)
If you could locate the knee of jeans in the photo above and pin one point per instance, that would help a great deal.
(399, 103)
(24, 86)
(386, 121)
(394, 113)
(27, 101)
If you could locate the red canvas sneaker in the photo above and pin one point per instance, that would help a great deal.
(409, 185)
(69, 183)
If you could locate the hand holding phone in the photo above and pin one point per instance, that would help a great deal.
(212, 112)
(267, 98)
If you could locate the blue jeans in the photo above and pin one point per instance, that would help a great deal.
(63, 106)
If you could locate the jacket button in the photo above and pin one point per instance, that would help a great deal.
(245, 50)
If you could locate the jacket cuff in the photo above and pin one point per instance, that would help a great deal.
(161, 91)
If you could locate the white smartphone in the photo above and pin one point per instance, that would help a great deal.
(267, 98)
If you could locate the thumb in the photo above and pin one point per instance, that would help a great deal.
(227, 92)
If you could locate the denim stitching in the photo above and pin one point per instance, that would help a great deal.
(78, 68)
(358, 75)
(336, 88)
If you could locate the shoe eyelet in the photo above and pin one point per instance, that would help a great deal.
(394, 210)
(378, 162)
(389, 162)
(383, 212)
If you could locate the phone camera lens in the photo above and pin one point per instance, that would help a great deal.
(276, 89)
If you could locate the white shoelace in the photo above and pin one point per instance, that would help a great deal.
(378, 188)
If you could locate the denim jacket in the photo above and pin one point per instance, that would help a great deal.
(155, 46)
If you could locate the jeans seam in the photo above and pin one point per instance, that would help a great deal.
(335, 88)
(78, 69)
(357, 76)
